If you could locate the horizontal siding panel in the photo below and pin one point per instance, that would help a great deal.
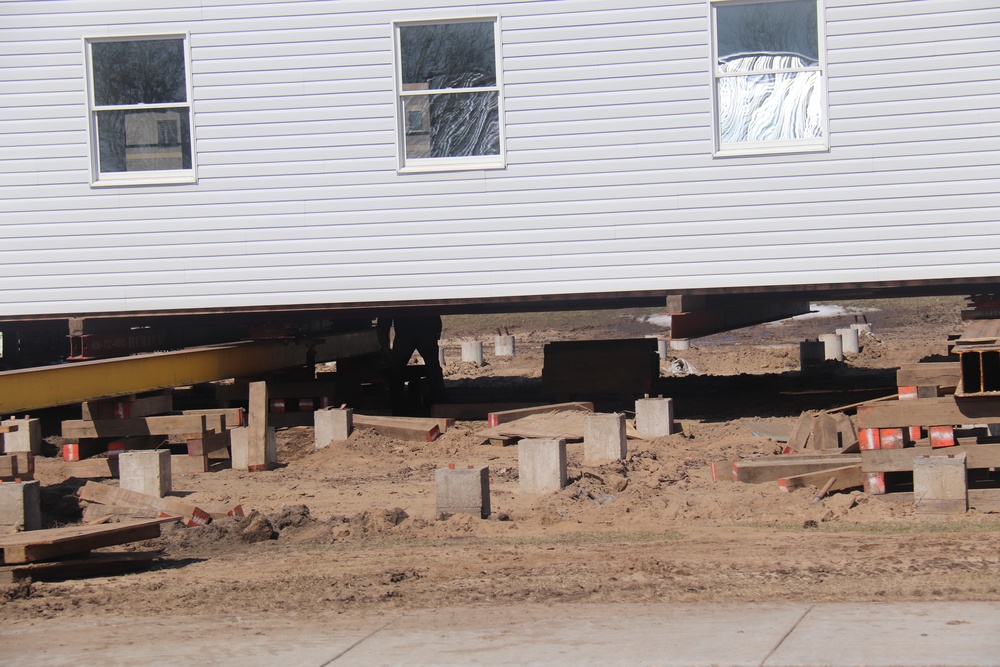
(611, 183)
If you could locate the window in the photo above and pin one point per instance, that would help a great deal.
(769, 77)
(448, 89)
(140, 111)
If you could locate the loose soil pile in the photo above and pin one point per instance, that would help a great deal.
(352, 526)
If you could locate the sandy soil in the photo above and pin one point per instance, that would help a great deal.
(352, 527)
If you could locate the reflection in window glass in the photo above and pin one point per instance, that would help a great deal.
(131, 140)
(449, 90)
(769, 85)
(140, 72)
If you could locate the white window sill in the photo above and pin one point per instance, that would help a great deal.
(146, 178)
(448, 164)
(776, 148)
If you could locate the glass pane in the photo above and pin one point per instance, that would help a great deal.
(767, 28)
(457, 125)
(144, 140)
(448, 55)
(770, 107)
(149, 71)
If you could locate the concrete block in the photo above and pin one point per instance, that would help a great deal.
(833, 346)
(849, 341)
(146, 472)
(27, 437)
(811, 354)
(472, 351)
(333, 425)
(654, 417)
(939, 484)
(604, 438)
(541, 464)
(503, 345)
(241, 446)
(462, 491)
(21, 506)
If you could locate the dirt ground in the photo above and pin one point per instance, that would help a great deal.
(352, 527)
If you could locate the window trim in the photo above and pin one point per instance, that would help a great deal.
(445, 164)
(777, 147)
(150, 177)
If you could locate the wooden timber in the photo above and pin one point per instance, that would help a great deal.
(38, 545)
(899, 460)
(942, 374)
(404, 428)
(120, 428)
(942, 411)
(505, 416)
(127, 408)
(846, 477)
(96, 492)
(90, 565)
(757, 471)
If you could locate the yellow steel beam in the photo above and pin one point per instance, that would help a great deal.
(49, 386)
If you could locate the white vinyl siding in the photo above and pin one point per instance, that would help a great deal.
(610, 185)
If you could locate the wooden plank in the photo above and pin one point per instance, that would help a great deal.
(257, 427)
(74, 429)
(404, 428)
(8, 465)
(757, 471)
(234, 417)
(942, 411)
(38, 545)
(900, 460)
(96, 492)
(943, 374)
(92, 468)
(127, 408)
(185, 464)
(214, 445)
(846, 477)
(90, 565)
(476, 411)
(505, 416)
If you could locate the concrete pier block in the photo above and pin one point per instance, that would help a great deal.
(333, 425)
(147, 472)
(833, 347)
(680, 344)
(20, 506)
(441, 357)
(654, 417)
(241, 449)
(939, 484)
(462, 491)
(604, 438)
(472, 351)
(541, 464)
(849, 341)
(503, 346)
(811, 354)
(862, 327)
(27, 437)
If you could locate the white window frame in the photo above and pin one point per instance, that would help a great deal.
(147, 177)
(435, 164)
(810, 145)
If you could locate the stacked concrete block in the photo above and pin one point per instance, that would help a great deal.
(462, 491)
(541, 464)
(604, 438)
(20, 506)
(333, 425)
(833, 346)
(654, 417)
(849, 341)
(146, 472)
(939, 484)
(27, 437)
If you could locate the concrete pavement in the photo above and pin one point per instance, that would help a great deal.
(965, 634)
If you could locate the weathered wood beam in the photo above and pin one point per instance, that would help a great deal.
(404, 428)
(942, 411)
(942, 374)
(847, 477)
(37, 545)
(756, 471)
(74, 429)
(897, 460)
